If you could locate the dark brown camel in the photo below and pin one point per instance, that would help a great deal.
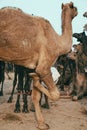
(23, 82)
(64, 65)
(79, 77)
(33, 43)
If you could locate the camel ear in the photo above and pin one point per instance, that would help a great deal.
(62, 5)
(71, 4)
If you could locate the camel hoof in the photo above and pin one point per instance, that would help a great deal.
(43, 126)
(17, 110)
(25, 110)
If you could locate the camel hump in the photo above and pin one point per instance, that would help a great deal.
(11, 8)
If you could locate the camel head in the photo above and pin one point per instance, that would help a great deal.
(72, 55)
(78, 48)
(70, 6)
(81, 37)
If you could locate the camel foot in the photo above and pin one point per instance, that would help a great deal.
(43, 126)
(25, 109)
(17, 109)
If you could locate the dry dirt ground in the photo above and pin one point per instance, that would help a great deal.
(62, 115)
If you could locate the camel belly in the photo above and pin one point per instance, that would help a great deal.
(18, 56)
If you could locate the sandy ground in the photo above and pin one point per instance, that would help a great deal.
(62, 115)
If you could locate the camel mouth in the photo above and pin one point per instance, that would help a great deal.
(76, 11)
(78, 40)
(76, 36)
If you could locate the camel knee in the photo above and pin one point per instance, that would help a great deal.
(41, 71)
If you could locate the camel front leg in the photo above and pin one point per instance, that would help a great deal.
(51, 94)
(45, 75)
(36, 95)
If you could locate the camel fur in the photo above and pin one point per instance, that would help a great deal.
(32, 42)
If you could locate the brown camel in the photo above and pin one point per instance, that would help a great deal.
(33, 43)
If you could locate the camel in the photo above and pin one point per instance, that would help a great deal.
(23, 82)
(31, 41)
(79, 84)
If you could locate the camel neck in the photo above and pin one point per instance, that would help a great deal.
(66, 23)
(66, 42)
